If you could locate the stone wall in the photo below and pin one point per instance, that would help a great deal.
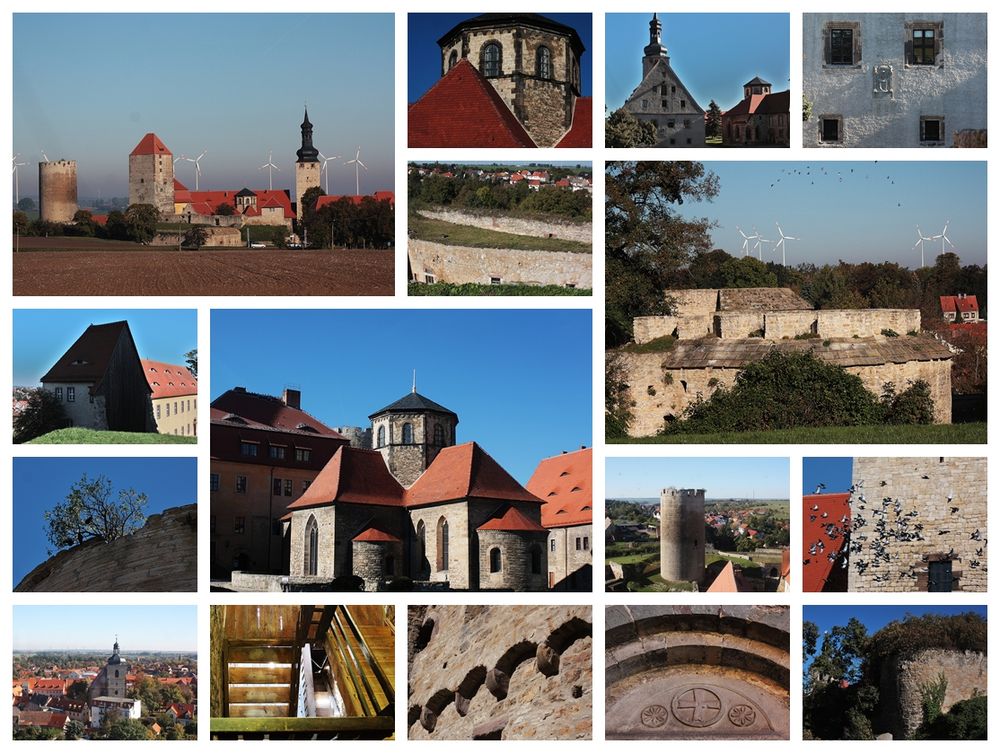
(582, 232)
(372, 560)
(779, 325)
(693, 301)
(84, 410)
(160, 556)
(515, 560)
(947, 494)
(501, 672)
(151, 181)
(901, 681)
(461, 264)
(937, 374)
(866, 322)
(217, 237)
(646, 328)
(570, 557)
(456, 574)
(734, 325)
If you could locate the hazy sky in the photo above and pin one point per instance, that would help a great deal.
(42, 483)
(713, 54)
(424, 55)
(520, 381)
(42, 335)
(89, 86)
(139, 628)
(762, 478)
(835, 473)
(855, 211)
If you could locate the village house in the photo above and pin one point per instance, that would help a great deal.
(175, 397)
(960, 309)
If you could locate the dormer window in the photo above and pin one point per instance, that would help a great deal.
(80, 362)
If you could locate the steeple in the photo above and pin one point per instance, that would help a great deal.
(655, 47)
(308, 153)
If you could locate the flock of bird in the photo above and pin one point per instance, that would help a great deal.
(891, 523)
(822, 172)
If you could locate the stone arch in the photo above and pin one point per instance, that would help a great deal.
(498, 678)
(468, 688)
(380, 437)
(442, 544)
(560, 639)
(433, 708)
(310, 565)
(491, 59)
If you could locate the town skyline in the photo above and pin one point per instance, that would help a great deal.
(263, 103)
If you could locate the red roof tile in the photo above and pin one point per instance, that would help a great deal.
(87, 359)
(580, 133)
(267, 411)
(564, 483)
(509, 518)
(960, 303)
(353, 476)
(725, 581)
(150, 144)
(464, 471)
(169, 380)
(375, 535)
(464, 110)
(817, 568)
(178, 186)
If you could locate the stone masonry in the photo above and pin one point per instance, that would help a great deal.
(463, 264)
(160, 556)
(500, 672)
(582, 232)
(948, 496)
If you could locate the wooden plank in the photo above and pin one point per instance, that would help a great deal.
(262, 654)
(261, 673)
(255, 711)
(259, 693)
(385, 724)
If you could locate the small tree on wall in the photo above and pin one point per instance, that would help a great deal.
(90, 512)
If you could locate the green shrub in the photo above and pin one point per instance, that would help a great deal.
(932, 698)
(966, 720)
(807, 336)
(889, 333)
(913, 405)
(43, 414)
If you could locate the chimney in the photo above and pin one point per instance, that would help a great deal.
(292, 398)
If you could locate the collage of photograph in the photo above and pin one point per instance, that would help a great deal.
(791, 339)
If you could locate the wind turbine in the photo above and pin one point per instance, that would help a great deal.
(17, 188)
(756, 237)
(357, 173)
(746, 240)
(325, 171)
(763, 242)
(920, 242)
(944, 236)
(197, 167)
(270, 166)
(782, 242)
(45, 157)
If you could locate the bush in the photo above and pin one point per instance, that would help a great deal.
(966, 720)
(44, 414)
(913, 405)
(890, 333)
(617, 410)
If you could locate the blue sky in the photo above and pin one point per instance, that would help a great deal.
(834, 472)
(520, 381)
(855, 211)
(42, 483)
(139, 628)
(713, 54)
(89, 86)
(41, 336)
(424, 55)
(762, 478)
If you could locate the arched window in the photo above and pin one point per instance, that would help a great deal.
(543, 62)
(495, 563)
(490, 63)
(536, 560)
(452, 59)
(438, 434)
(407, 433)
(312, 546)
(380, 442)
(442, 545)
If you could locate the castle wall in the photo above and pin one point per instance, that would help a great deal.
(462, 264)
(515, 561)
(57, 200)
(582, 232)
(732, 325)
(866, 322)
(570, 557)
(646, 328)
(160, 556)
(218, 237)
(151, 181)
(326, 518)
(693, 301)
(372, 561)
(900, 683)
(923, 485)
(779, 325)
(937, 374)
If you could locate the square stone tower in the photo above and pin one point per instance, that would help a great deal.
(151, 175)
(307, 166)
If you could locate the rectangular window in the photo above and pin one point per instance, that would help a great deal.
(241, 484)
(586, 543)
(288, 487)
(842, 46)
(247, 449)
(495, 281)
(59, 395)
(276, 487)
(830, 129)
(922, 50)
(931, 129)
(167, 406)
(276, 452)
(430, 279)
(663, 104)
(305, 485)
(71, 394)
(578, 544)
(157, 412)
(239, 524)
(552, 545)
(175, 408)
(214, 482)
(303, 454)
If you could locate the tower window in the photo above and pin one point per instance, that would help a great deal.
(438, 434)
(407, 433)
(495, 561)
(380, 442)
(491, 61)
(312, 546)
(452, 59)
(544, 62)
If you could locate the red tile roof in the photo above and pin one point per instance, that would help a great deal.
(565, 484)
(464, 471)
(958, 303)
(389, 196)
(178, 186)
(375, 535)
(509, 518)
(817, 568)
(266, 411)
(775, 103)
(87, 359)
(354, 476)
(464, 110)
(580, 133)
(150, 144)
(725, 581)
(169, 380)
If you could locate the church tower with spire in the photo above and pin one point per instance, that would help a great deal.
(653, 52)
(307, 166)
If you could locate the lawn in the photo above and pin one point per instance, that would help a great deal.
(77, 435)
(475, 288)
(451, 234)
(971, 433)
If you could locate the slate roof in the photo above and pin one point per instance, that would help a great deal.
(150, 144)
(776, 103)
(509, 518)
(580, 133)
(413, 402)
(565, 484)
(87, 359)
(168, 379)
(265, 412)
(506, 19)
(463, 109)
(464, 471)
(737, 353)
(757, 81)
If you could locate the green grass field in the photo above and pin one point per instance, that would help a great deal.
(89, 436)
(474, 288)
(971, 433)
(450, 234)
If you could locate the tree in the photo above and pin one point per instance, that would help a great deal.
(44, 413)
(646, 240)
(191, 360)
(713, 121)
(195, 237)
(128, 729)
(842, 653)
(89, 512)
(140, 221)
(22, 224)
(115, 226)
(77, 690)
(746, 272)
(74, 730)
(225, 210)
(26, 204)
(623, 129)
(83, 222)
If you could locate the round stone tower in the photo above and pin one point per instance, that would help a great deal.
(512, 560)
(682, 534)
(57, 190)
(410, 433)
(377, 557)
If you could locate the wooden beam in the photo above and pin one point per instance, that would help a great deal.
(347, 724)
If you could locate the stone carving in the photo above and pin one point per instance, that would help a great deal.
(742, 715)
(697, 707)
(654, 716)
(882, 80)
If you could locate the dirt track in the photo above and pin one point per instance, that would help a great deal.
(230, 272)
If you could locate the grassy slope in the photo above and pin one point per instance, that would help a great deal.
(89, 436)
(972, 433)
(451, 234)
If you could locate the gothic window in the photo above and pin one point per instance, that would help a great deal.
(381, 437)
(490, 63)
(452, 59)
(407, 433)
(536, 560)
(931, 129)
(495, 562)
(442, 545)
(312, 546)
(544, 62)
(438, 434)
